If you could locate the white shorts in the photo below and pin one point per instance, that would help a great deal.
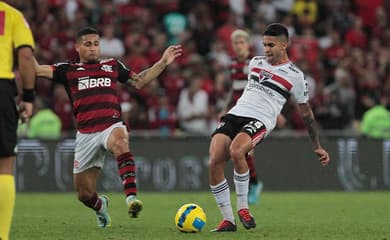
(91, 148)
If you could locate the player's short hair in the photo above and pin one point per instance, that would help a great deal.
(85, 31)
(239, 33)
(276, 30)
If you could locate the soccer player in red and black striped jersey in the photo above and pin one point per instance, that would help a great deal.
(91, 86)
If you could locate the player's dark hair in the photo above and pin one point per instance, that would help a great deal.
(276, 30)
(85, 31)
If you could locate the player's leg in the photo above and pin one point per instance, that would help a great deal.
(118, 144)
(255, 186)
(219, 154)
(8, 139)
(240, 146)
(7, 193)
(85, 185)
(251, 134)
(89, 160)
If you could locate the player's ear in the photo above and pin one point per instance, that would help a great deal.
(284, 44)
(77, 46)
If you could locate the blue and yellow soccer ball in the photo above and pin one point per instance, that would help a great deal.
(190, 218)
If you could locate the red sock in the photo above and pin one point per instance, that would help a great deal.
(94, 202)
(126, 168)
(252, 168)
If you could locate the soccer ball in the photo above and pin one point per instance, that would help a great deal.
(190, 218)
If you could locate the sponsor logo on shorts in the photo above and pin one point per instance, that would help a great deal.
(221, 124)
(76, 164)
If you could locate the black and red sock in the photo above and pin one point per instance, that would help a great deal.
(94, 202)
(126, 167)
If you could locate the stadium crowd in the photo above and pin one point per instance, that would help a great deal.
(342, 45)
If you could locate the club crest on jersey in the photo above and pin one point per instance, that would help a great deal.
(87, 82)
(265, 75)
(106, 68)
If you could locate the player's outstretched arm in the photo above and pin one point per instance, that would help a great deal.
(45, 71)
(144, 77)
(312, 129)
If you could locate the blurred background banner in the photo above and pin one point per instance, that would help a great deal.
(180, 164)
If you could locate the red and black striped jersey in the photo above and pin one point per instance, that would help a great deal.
(92, 89)
(239, 76)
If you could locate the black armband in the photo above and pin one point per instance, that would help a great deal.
(28, 95)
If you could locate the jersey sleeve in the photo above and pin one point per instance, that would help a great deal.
(59, 72)
(300, 90)
(124, 73)
(22, 35)
(252, 62)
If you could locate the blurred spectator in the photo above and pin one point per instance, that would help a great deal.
(175, 23)
(219, 54)
(193, 108)
(162, 116)
(306, 12)
(267, 10)
(125, 102)
(306, 47)
(256, 38)
(368, 90)
(136, 46)
(202, 25)
(63, 109)
(340, 102)
(376, 121)
(288, 22)
(173, 82)
(333, 53)
(110, 45)
(225, 31)
(283, 7)
(367, 10)
(44, 124)
(218, 98)
(355, 35)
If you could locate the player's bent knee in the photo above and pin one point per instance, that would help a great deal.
(120, 146)
(216, 160)
(236, 154)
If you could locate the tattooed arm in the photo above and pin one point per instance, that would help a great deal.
(312, 129)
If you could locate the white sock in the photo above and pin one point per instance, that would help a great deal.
(221, 194)
(241, 181)
(130, 198)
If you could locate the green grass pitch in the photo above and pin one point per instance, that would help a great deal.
(280, 215)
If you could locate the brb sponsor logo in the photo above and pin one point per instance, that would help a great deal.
(87, 82)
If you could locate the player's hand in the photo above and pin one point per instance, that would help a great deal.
(323, 156)
(25, 111)
(134, 78)
(171, 53)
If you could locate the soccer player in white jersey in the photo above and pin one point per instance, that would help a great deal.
(272, 79)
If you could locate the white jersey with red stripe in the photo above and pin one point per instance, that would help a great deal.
(268, 88)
